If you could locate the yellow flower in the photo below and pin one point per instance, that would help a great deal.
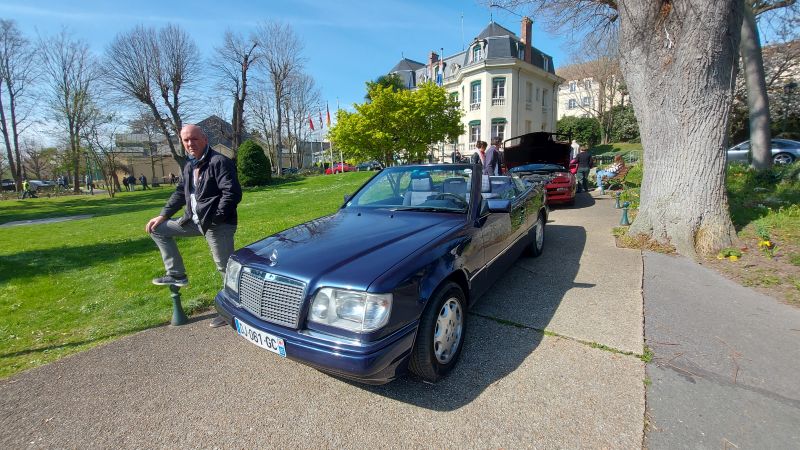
(720, 256)
(733, 258)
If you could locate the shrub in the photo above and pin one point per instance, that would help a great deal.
(585, 130)
(253, 165)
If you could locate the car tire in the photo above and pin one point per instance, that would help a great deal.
(440, 336)
(536, 246)
(783, 158)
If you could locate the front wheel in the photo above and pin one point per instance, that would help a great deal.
(441, 334)
(783, 158)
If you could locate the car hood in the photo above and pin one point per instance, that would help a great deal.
(351, 247)
(536, 148)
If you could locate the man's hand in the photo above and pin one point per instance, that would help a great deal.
(153, 223)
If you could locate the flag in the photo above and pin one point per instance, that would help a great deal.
(321, 126)
(310, 123)
(328, 112)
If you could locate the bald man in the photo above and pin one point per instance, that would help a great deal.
(209, 190)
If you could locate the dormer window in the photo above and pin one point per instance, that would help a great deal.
(477, 53)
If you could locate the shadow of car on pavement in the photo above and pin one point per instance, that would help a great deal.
(504, 327)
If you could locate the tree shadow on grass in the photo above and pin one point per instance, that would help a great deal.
(121, 204)
(84, 342)
(51, 261)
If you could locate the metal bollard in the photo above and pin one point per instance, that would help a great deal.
(617, 205)
(624, 220)
(178, 316)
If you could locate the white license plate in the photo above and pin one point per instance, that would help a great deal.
(261, 339)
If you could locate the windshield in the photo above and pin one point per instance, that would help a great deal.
(418, 188)
(539, 168)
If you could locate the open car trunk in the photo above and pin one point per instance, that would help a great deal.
(537, 148)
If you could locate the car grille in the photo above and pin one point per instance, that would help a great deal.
(271, 297)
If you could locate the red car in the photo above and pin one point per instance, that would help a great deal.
(339, 168)
(542, 158)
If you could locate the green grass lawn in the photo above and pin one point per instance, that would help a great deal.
(67, 286)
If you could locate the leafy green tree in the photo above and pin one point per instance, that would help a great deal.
(624, 127)
(397, 124)
(253, 165)
(585, 130)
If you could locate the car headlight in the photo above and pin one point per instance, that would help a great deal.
(232, 275)
(356, 311)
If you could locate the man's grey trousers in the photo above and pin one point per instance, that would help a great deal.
(219, 238)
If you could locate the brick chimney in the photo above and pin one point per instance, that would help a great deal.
(527, 37)
(433, 59)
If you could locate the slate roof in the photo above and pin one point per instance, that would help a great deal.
(501, 43)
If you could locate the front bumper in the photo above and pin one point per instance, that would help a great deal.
(375, 362)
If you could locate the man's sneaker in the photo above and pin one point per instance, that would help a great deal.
(171, 280)
(217, 322)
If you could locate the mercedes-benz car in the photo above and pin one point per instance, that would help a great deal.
(784, 151)
(384, 284)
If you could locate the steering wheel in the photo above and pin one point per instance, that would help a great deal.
(452, 197)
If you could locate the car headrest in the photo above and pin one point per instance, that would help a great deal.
(421, 182)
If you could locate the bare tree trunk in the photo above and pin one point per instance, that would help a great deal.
(757, 100)
(678, 59)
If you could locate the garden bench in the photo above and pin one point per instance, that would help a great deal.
(616, 182)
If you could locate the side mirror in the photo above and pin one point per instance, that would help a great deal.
(497, 205)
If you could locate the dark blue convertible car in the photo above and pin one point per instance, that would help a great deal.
(383, 285)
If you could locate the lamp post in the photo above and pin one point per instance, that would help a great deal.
(788, 89)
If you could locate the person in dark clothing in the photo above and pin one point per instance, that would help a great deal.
(488, 160)
(125, 182)
(585, 164)
(209, 190)
(131, 182)
(143, 180)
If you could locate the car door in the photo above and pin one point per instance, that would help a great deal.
(739, 152)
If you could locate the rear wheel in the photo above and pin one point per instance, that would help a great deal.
(441, 334)
(537, 244)
(783, 158)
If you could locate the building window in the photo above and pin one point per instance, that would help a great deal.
(477, 54)
(499, 128)
(587, 101)
(537, 94)
(528, 95)
(498, 91)
(474, 132)
(545, 63)
(544, 98)
(572, 104)
(475, 96)
(573, 85)
(528, 126)
(587, 84)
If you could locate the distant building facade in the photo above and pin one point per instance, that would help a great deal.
(505, 86)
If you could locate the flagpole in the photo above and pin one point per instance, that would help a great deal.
(340, 150)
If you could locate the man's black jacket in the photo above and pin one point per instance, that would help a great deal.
(217, 191)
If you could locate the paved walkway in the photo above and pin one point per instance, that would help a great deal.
(516, 386)
(726, 371)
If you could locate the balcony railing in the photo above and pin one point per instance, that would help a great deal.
(474, 106)
(498, 101)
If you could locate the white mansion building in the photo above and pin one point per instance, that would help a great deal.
(506, 86)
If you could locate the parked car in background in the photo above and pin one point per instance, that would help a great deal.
(8, 184)
(543, 158)
(383, 285)
(288, 170)
(339, 168)
(784, 151)
(369, 165)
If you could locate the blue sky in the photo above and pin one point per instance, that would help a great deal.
(346, 42)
